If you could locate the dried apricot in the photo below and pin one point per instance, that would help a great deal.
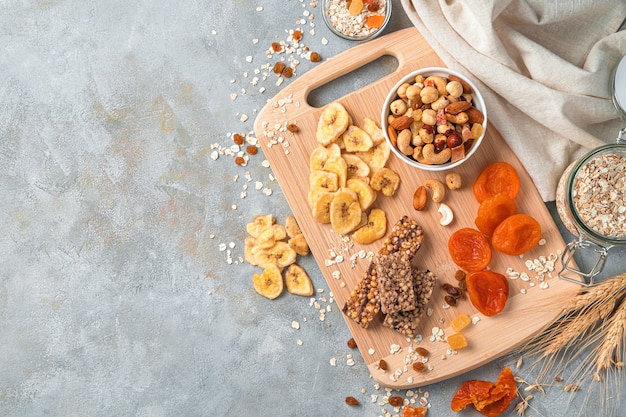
(493, 211)
(506, 387)
(517, 234)
(496, 178)
(488, 291)
(411, 411)
(486, 397)
(469, 249)
(375, 21)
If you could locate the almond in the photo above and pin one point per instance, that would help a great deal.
(458, 107)
(393, 135)
(401, 123)
(475, 115)
(420, 198)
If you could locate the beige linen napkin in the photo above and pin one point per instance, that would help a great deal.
(544, 68)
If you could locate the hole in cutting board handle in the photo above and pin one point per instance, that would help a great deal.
(352, 81)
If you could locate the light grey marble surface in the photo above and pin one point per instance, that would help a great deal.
(122, 290)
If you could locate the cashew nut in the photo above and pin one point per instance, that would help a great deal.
(459, 119)
(453, 181)
(439, 82)
(430, 157)
(446, 214)
(437, 188)
(403, 142)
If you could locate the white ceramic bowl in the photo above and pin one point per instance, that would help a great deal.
(330, 22)
(477, 100)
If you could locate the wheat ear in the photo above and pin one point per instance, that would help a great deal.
(615, 339)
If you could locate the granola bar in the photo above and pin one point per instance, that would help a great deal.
(395, 283)
(364, 301)
(408, 322)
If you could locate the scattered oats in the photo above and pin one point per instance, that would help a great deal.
(213, 32)
(299, 342)
(231, 245)
(350, 362)
(279, 81)
(295, 325)
(333, 361)
(524, 277)
(259, 8)
(374, 398)
(543, 285)
(267, 191)
(255, 41)
(394, 348)
(523, 291)
(233, 96)
(215, 155)
(443, 357)
(371, 351)
(249, 58)
(475, 320)
(222, 247)
(336, 274)
(324, 41)
(234, 207)
(211, 236)
(258, 185)
(262, 90)
(542, 242)
(342, 284)
(429, 311)
(243, 118)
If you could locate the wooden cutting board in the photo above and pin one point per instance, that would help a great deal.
(530, 307)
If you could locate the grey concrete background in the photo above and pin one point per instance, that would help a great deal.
(122, 291)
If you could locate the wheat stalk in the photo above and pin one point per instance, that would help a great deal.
(610, 288)
(614, 341)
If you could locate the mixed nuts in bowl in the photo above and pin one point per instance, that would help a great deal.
(434, 119)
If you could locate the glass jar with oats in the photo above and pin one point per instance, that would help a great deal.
(591, 197)
(591, 202)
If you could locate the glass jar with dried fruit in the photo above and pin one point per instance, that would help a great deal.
(591, 198)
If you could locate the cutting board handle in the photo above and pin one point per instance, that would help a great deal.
(400, 44)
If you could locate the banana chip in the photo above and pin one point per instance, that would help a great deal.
(269, 283)
(332, 123)
(298, 281)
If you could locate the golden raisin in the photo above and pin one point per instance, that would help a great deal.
(352, 343)
(287, 72)
(383, 365)
(278, 67)
(276, 47)
(240, 160)
(238, 139)
(352, 401)
(293, 128)
(395, 401)
(315, 57)
(418, 366)
(297, 35)
(422, 351)
(252, 149)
